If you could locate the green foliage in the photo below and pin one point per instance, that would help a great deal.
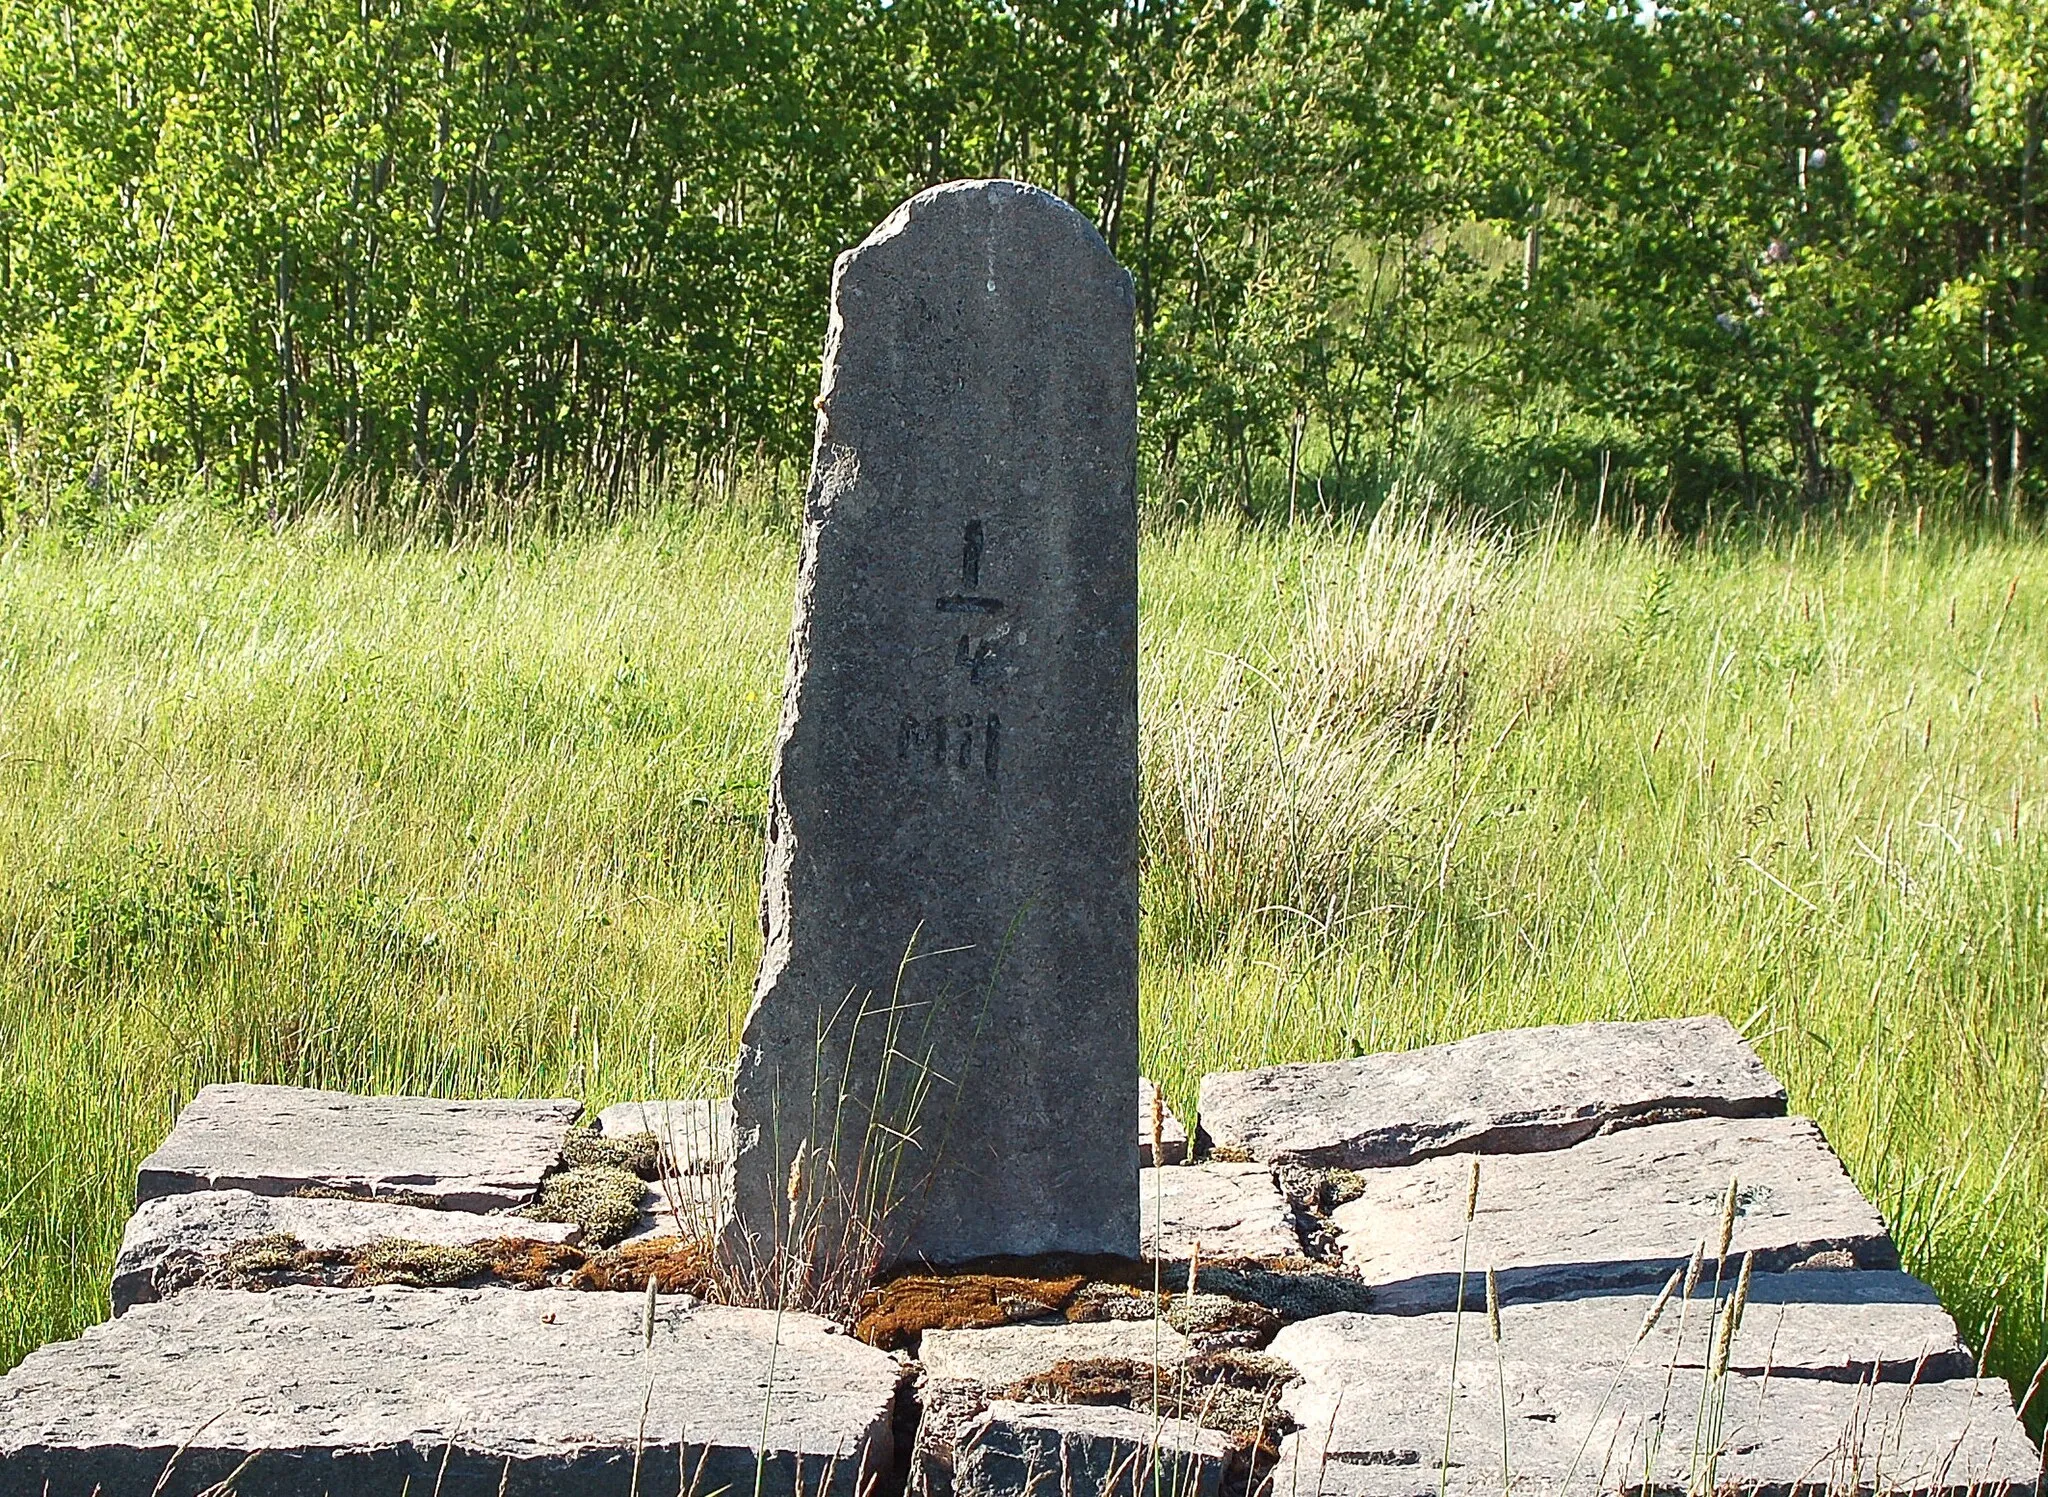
(1737, 247)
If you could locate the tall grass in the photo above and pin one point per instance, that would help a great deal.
(487, 819)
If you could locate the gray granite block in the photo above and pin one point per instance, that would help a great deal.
(1507, 1092)
(1173, 1138)
(1232, 1210)
(172, 1239)
(1079, 1450)
(1613, 1212)
(956, 768)
(276, 1140)
(1001, 1356)
(466, 1392)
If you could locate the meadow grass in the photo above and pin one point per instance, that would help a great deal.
(286, 807)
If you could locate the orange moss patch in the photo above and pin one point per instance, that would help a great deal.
(891, 1315)
(524, 1264)
(1094, 1380)
(676, 1265)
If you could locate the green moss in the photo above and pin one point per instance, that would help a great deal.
(1100, 1300)
(1217, 1315)
(1291, 1293)
(637, 1152)
(394, 1260)
(275, 1252)
(602, 1199)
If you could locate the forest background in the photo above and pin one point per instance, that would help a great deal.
(422, 252)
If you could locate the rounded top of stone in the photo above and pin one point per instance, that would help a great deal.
(994, 199)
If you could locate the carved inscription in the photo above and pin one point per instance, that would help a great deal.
(952, 740)
(963, 740)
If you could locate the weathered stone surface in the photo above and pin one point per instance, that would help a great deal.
(1232, 1210)
(1613, 1212)
(1077, 1450)
(956, 767)
(1173, 1138)
(275, 1140)
(681, 1206)
(1508, 1092)
(171, 1237)
(466, 1392)
(1001, 1356)
(695, 1135)
(1842, 1325)
(1584, 1405)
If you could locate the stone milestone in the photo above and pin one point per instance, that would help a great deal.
(944, 1028)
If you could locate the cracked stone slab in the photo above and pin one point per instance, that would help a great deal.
(695, 1134)
(1836, 1325)
(1001, 1356)
(1232, 1210)
(1173, 1138)
(170, 1237)
(1079, 1450)
(1378, 1402)
(1610, 1213)
(277, 1140)
(1512, 1091)
(470, 1393)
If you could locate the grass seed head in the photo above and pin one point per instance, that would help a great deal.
(1727, 1225)
(1724, 1338)
(1741, 1291)
(1692, 1269)
(1671, 1285)
(1472, 1192)
(1493, 1307)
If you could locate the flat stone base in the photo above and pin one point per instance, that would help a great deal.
(466, 1392)
(1844, 1375)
